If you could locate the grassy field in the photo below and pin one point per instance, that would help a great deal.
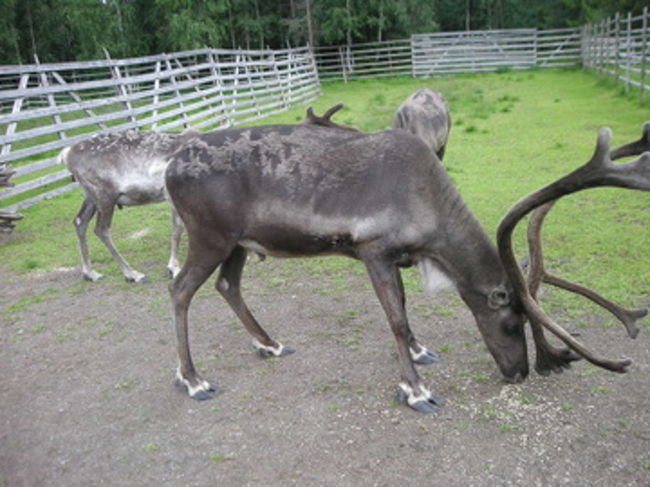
(512, 132)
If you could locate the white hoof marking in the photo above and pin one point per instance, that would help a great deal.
(276, 351)
(413, 398)
(202, 386)
(416, 355)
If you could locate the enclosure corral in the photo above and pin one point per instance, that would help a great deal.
(87, 368)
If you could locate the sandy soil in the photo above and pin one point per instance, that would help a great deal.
(87, 393)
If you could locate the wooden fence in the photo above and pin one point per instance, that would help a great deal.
(451, 52)
(620, 46)
(473, 51)
(368, 60)
(44, 107)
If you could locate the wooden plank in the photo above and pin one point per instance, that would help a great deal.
(17, 104)
(34, 183)
(59, 79)
(95, 64)
(43, 196)
(91, 85)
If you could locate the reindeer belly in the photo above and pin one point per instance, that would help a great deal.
(285, 232)
(278, 242)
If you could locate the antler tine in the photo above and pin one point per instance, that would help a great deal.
(539, 274)
(328, 114)
(634, 148)
(599, 171)
(325, 121)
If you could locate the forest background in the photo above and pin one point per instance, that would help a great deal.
(74, 30)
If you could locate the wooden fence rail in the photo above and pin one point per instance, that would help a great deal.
(44, 107)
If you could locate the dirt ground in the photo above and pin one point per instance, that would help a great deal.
(86, 381)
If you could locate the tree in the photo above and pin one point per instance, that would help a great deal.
(190, 24)
(9, 48)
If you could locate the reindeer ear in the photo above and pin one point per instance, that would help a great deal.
(498, 298)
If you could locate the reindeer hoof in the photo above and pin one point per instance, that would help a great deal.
(93, 276)
(266, 351)
(202, 391)
(424, 356)
(137, 278)
(425, 402)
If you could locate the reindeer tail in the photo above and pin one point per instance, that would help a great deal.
(63, 158)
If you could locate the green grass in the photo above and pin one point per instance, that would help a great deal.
(512, 132)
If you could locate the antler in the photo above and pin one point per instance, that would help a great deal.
(325, 121)
(599, 171)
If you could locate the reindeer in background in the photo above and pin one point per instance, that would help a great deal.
(121, 169)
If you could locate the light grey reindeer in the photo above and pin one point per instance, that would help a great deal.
(382, 198)
(121, 169)
(425, 114)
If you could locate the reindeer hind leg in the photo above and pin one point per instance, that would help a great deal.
(86, 213)
(103, 231)
(229, 286)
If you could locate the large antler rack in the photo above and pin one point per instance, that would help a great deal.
(598, 172)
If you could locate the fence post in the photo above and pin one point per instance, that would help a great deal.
(617, 20)
(601, 55)
(215, 69)
(644, 50)
(343, 67)
(177, 92)
(584, 43)
(50, 97)
(121, 89)
(156, 96)
(628, 54)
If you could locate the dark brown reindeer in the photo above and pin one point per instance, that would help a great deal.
(425, 113)
(121, 169)
(383, 198)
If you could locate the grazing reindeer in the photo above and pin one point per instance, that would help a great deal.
(121, 169)
(425, 113)
(312, 189)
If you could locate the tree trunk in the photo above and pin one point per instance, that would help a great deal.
(381, 21)
(348, 34)
(310, 24)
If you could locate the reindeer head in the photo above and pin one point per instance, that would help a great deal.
(599, 171)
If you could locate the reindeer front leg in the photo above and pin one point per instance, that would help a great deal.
(387, 283)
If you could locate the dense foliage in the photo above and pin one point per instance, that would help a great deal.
(64, 30)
